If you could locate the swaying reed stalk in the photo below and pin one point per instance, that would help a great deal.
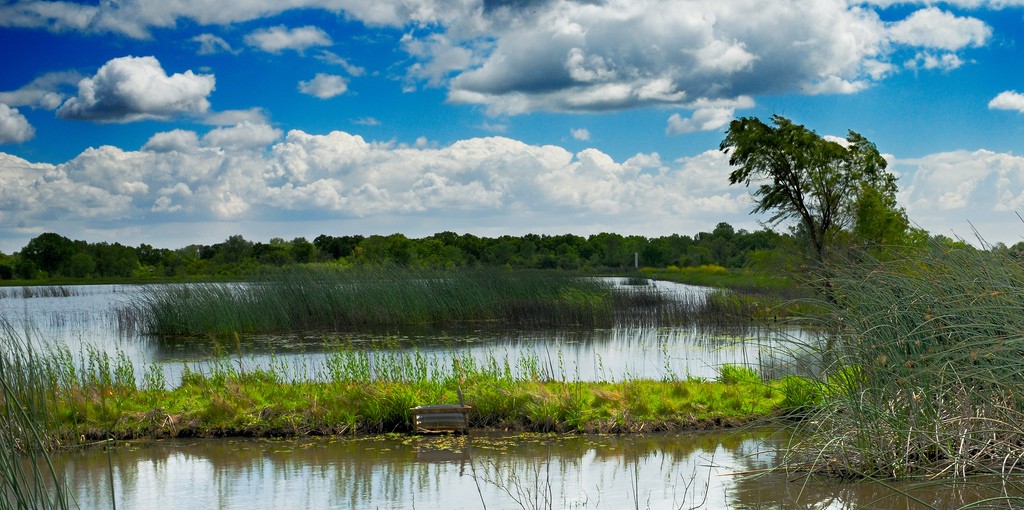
(383, 299)
(924, 368)
(28, 478)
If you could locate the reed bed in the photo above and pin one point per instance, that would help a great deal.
(28, 292)
(385, 299)
(924, 370)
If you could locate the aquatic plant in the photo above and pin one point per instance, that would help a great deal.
(27, 477)
(388, 298)
(923, 373)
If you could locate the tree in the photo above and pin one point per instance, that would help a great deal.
(49, 252)
(801, 176)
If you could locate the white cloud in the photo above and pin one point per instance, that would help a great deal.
(950, 191)
(215, 184)
(177, 140)
(439, 56)
(932, 27)
(481, 183)
(231, 117)
(243, 136)
(324, 86)
(14, 127)
(1008, 100)
(930, 61)
(135, 19)
(128, 89)
(279, 38)
(586, 56)
(580, 134)
(210, 44)
(568, 55)
(707, 116)
(43, 92)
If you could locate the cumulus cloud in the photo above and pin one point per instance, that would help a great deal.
(570, 56)
(180, 140)
(1008, 100)
(243, 136)
(580, 134)
(494, 182)
(279, 38)
(14, 127)
(324, 86)
(128, 89)
(932, 27)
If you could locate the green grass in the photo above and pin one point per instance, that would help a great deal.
(354, 393)
(747, 280)
(745, 294)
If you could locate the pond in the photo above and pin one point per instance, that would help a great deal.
(86, 317)
(720, 469)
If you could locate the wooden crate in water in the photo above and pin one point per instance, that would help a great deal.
(441, 418)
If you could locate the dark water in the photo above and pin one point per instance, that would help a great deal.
(693, 470)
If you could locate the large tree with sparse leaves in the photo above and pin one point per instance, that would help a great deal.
(822, 184)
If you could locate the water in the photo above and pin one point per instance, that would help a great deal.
(87, 318)
(722, 469)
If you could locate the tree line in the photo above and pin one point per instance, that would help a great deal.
(51, 255)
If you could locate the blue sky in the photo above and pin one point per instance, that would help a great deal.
(174, 122)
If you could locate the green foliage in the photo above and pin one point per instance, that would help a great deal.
(822, 185)
(52, 256)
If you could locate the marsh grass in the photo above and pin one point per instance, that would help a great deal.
(388, 298)
(27, 420)
(924, 375)
(99, 397)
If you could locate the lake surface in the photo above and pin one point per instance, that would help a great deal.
(714, 470)
(87, 318)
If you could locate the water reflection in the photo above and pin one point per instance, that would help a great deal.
(694, 470)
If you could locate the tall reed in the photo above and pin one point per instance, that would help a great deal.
(28, 478)
(379, 299)
(924, 373)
